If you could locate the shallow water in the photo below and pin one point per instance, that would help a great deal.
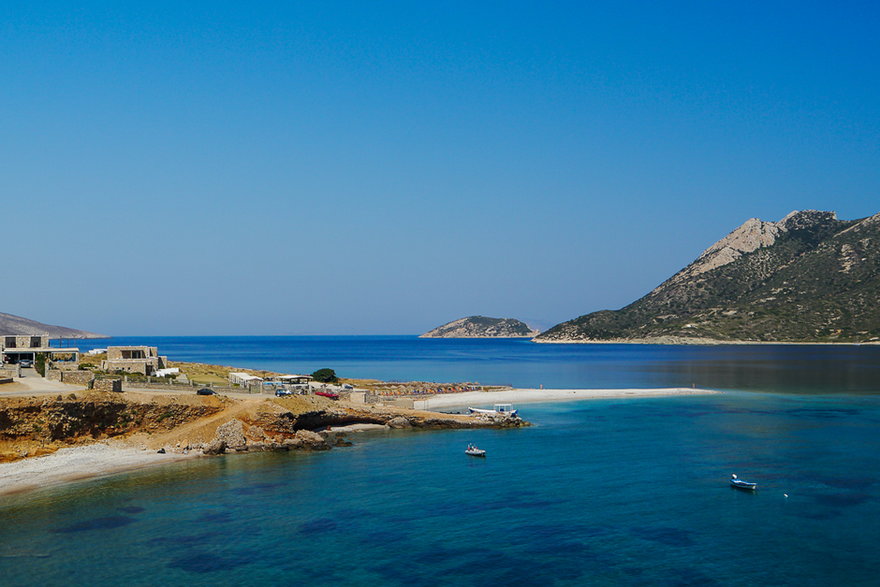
(616, 492)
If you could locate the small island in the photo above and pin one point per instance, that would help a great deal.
(483, 327)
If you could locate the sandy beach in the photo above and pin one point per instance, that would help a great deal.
(77, 463)
(520, 396)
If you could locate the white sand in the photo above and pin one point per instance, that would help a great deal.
(520, 396)
(81, 462)
(358, 428)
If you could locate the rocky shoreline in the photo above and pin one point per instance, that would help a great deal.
(45, 441)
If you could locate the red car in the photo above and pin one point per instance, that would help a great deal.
(330, 394)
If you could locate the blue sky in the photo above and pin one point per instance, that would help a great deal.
(384, 167)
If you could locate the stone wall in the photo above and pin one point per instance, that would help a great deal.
(65, 365)
(83, 378)
(108, 385)
(10, 370)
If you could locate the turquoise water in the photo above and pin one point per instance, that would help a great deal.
(617, 492)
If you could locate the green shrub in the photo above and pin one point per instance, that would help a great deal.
(325, 376)
(40, 364)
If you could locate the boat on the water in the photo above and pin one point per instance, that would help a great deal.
(474, 451)
(740, 484)
(497, 410)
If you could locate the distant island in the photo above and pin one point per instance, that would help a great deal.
(11, 324)
(482, 327)
(808, 278)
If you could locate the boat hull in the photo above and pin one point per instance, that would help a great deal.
(744, 485)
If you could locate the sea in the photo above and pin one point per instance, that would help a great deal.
(599, 492)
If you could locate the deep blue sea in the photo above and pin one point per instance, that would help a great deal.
(610, 492)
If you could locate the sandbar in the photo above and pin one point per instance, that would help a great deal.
(478, 398)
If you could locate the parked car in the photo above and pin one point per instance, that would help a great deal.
(206, 391)
(283, 392)
(330, 394)
(26, 363)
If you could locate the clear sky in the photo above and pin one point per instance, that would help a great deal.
(384, 167)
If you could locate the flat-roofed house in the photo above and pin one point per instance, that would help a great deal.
(15, 348)
(243, 379)
(133, 359)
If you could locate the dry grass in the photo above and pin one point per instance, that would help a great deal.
(203, 373)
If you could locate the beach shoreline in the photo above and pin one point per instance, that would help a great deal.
(79, 463)
(525, 395)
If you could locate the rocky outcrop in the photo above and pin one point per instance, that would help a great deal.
(482, 327)
(754, 234)
(231, 434)
(398, 423)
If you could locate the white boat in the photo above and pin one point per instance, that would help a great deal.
(497, 410)
(474, 451)
(740, 484)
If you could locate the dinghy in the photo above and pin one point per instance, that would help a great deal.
(740, 484)
(474, 451)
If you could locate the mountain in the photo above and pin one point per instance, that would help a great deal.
(807, 278)
(10, 324)
(482, 327)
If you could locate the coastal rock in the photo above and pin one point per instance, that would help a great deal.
(232, 435)
(215, 447)
(399, 423)
(310, 440)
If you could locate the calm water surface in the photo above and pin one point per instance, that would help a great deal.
(616, 492)
(521, 363)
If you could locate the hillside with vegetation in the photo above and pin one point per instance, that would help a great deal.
(11, 324)
(482, 327)
(807, 278)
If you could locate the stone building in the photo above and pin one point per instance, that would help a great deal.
(15, 348)
(133, 359)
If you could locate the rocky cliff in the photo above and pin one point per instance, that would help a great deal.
(808, 278)
(482, 327)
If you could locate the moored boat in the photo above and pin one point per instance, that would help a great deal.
(497, 410)
(740, 484)
(474, 451)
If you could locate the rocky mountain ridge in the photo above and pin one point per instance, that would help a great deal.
(11, 324)
(482, 327)
(808, 278)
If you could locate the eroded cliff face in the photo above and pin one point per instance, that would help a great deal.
(33, 426)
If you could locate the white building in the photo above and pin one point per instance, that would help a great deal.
(244, 379)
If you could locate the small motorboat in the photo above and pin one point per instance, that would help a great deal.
(497, 410)
(740, 484)
(474, 451)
